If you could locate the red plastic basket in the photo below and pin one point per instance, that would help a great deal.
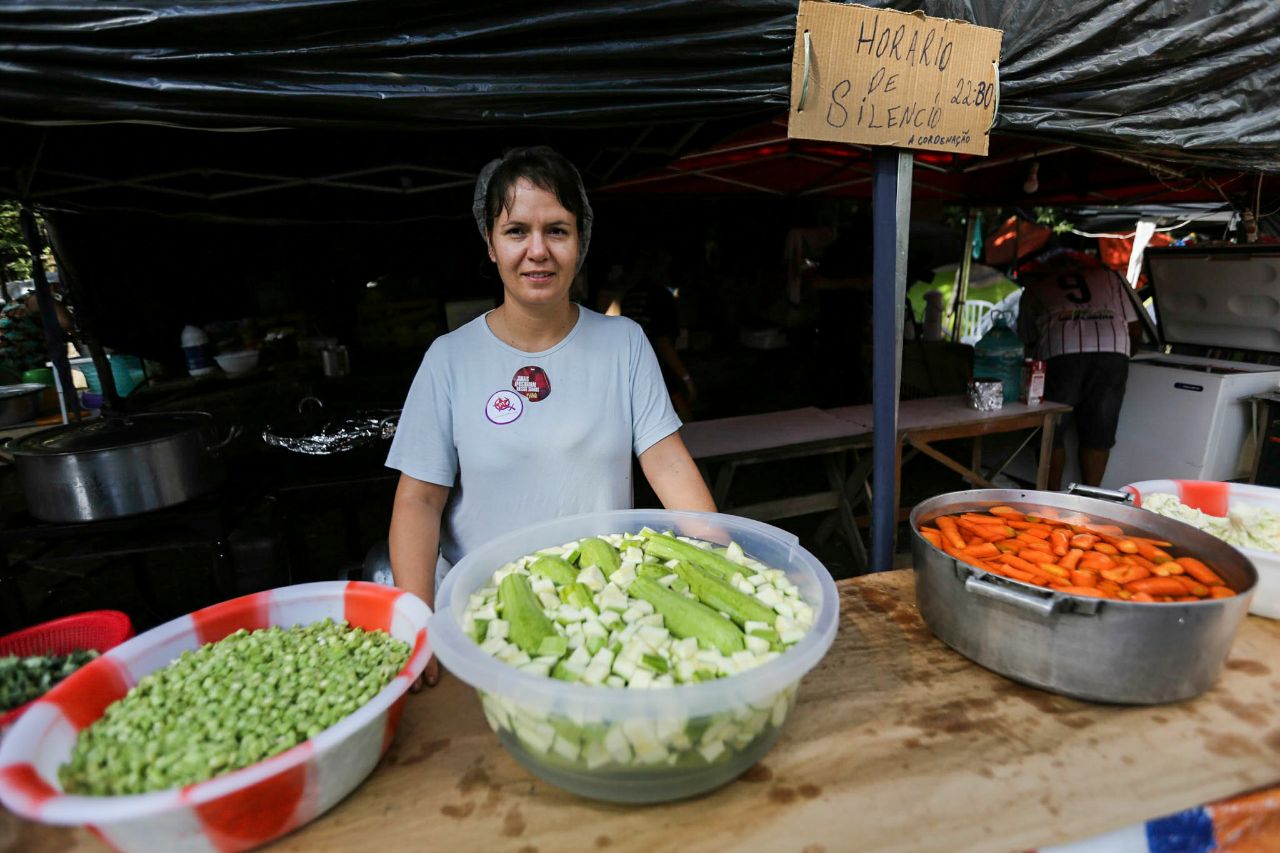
(100, 630)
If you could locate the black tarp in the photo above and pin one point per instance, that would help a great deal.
(374, 114)
(1186, 79)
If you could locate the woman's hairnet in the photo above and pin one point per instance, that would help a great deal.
(482, 192)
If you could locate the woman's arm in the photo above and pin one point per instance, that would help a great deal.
(674, 477)
(415, 543)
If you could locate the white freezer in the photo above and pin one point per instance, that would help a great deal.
(1184, 418)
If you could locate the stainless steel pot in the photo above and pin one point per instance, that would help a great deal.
(110, 468)
(1090, 648)
(19, 403)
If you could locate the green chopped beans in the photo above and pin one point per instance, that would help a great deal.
(230, 704)
(23, 679)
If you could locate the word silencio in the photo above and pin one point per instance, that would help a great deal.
(926, 49)
(907, 80)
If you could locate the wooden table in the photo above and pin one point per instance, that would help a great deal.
(924, 421)
(728, 444)
(896, 744)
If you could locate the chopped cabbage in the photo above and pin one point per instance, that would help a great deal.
(1246, 525)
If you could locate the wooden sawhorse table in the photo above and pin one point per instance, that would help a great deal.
(731, 443)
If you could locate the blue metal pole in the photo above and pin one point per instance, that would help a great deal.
(891, 217)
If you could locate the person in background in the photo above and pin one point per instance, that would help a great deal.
(1074, 313)
(646, 299)
(533, 410)
(22, 340)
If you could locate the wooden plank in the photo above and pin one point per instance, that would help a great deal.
(896, 743)
(754, 435)
(789, 507)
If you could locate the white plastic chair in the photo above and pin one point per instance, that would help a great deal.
(973, 313)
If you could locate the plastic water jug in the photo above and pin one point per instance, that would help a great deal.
(998, 355)
(195, 347)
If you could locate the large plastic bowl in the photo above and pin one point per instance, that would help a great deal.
(749, 708)
(241, 809)
(1217, 498)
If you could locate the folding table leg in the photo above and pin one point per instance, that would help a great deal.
(845, 513)
(724, 480)
(1046, 450)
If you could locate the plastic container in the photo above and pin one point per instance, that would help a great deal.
(238, 810)
(238, 361)
(998, 355)
(752, 706)
(1217, 498)
(127, 371)
(99, 630)
(196, 350)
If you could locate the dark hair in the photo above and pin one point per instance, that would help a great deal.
(544, 168)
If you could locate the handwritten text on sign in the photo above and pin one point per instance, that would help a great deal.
(880, 77)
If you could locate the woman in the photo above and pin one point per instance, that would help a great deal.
(533, 410)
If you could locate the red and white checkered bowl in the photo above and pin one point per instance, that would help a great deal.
(1217, 498)
(238, 810)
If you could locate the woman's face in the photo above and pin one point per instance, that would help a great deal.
(534, 242)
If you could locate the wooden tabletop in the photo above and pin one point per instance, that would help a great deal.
(897, 743)
(930, 413)
(793, 429)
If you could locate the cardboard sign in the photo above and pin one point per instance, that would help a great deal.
(881, 77)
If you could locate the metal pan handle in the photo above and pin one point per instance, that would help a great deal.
(1100, 493)
(1036, 604)
(232, 435)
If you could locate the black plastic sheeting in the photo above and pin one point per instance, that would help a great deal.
(1182, 79)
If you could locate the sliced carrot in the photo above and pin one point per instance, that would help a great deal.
(1031, 555)
(982, 518)
(1108, 586)
(1125, 575)
(1083, 590)
(1142, 596)
(1018, 563)
(1057, 571)
(1033, 542)
(1060, 542)
(1094, 560)
(1047, 520)
(1153, 553)
(1007, 512)
(982, 551)
(948, 527)
(934, 537)
(1106, 548)
(1083, 541)
(1072, 559)
(1221, 592)
(1106, 529)
(1199, 571)
(1192, 586)
(1157, 586)
(993, 532)
(1079, 578)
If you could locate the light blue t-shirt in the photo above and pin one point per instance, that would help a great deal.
(525, 437)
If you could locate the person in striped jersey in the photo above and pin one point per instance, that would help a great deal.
(1075, 314)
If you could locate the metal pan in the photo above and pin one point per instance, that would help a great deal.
(1089, 648)
(19, 403)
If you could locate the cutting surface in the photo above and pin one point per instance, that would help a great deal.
(897, 743)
